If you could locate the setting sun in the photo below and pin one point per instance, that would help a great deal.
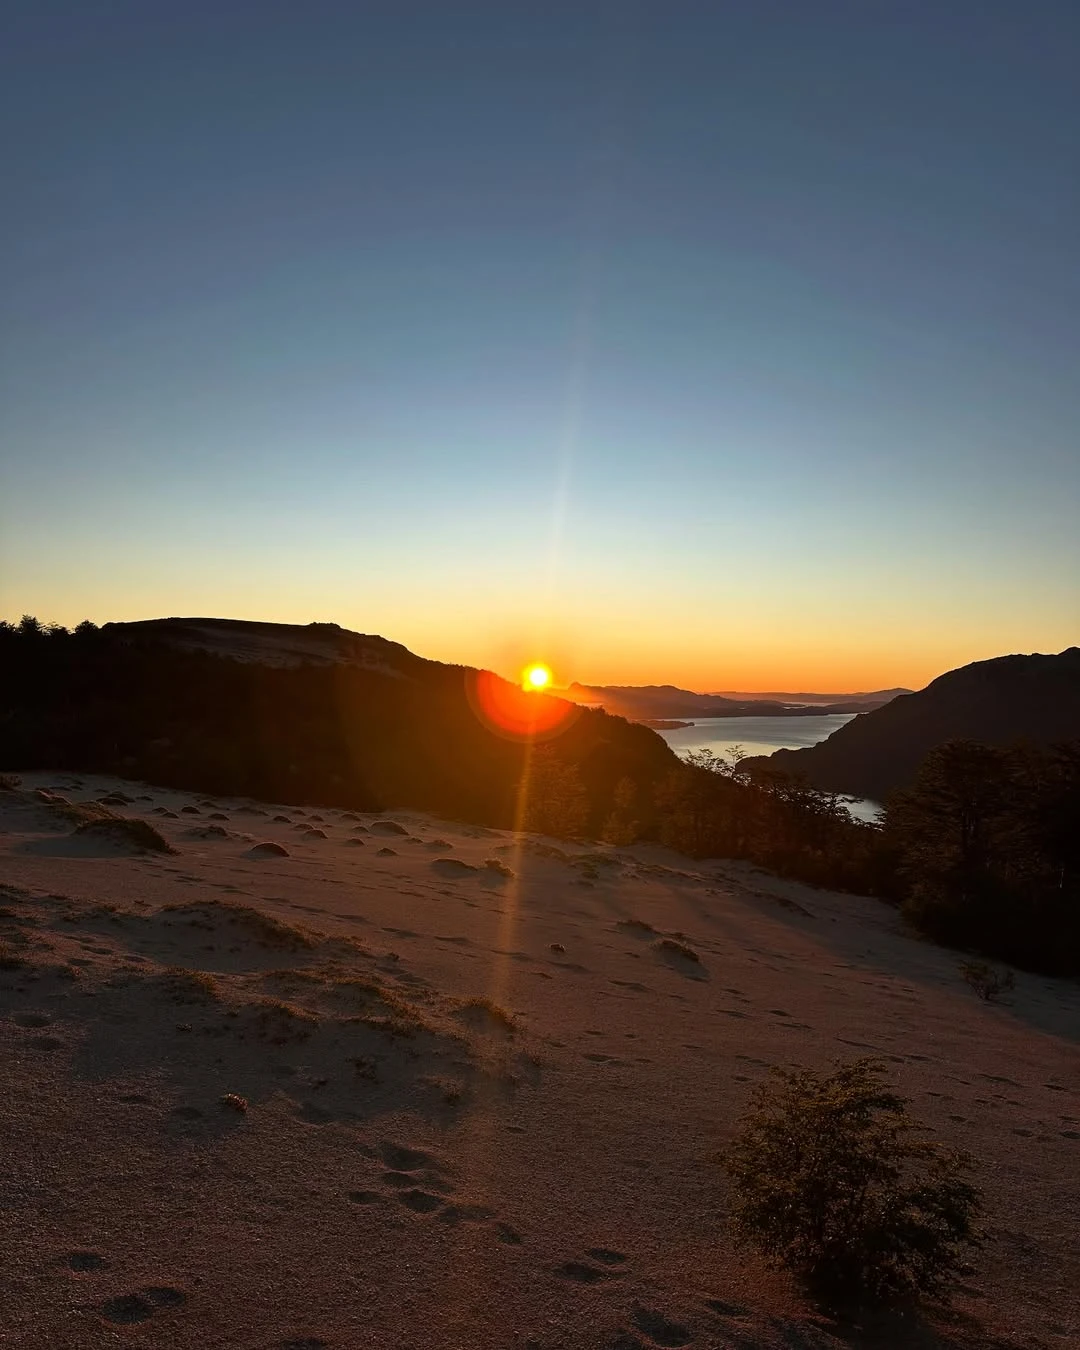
(537, 677)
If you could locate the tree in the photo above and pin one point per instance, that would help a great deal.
(833, 1183)
(555, 801)
(621, 827)
(987, 851)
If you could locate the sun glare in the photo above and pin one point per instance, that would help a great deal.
(537, 677)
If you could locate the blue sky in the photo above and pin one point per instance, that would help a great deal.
(726, 344)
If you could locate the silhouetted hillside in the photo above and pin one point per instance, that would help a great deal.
(293, 713)
(999, 702)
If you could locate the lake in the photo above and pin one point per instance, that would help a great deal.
(761, 736)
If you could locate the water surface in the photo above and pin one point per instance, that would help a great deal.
(763, 735)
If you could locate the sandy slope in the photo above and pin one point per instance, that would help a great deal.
(411, 1172)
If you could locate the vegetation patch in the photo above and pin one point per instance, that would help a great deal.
(835, 1183)
(988, 983)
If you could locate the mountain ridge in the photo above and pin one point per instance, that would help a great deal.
(1000, 701)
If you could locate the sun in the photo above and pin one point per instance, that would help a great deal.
(536, 677)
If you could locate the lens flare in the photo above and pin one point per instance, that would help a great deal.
(518, 712)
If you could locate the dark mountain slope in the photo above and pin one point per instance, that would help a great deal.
(291, 713)
(1012, 698)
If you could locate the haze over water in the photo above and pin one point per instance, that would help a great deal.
(763, 735)
(756, 735)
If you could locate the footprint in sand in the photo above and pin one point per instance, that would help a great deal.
(137, 1307)
(717, 1305)
(421, 1202)
(311, 1114)
(660, 1329)
(31, 1019)
(607, 1255)
(364, 1197)
(46, 1044)
(85, 1261)
(402, 1159)
(582, 1273)
(455, 1214)
(399, 1180)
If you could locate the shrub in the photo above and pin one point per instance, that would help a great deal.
(987, 982)
(832, 1183)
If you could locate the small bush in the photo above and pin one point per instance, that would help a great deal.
(987, 982)
(832, 1184)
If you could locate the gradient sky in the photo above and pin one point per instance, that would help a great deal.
(735, 345)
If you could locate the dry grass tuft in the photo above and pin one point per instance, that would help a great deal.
(987, 982)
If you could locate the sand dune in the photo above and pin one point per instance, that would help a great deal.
(390, 1081)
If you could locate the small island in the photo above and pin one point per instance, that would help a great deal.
(660, 724)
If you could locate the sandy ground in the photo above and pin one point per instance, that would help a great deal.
(483, 1108)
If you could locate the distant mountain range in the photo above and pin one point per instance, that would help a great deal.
(1011, 698)
(656, 702)
(865, 700)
